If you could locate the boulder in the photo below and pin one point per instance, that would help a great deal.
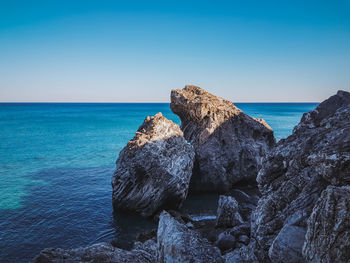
(154, 169)
(287, 246)
(296, 172)
(225, 241)
(328, 228)
(177, 243)
(229, 144)
(227, 214)
(101, 252)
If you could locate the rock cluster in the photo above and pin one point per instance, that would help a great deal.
(304, 209)
(154, 169)
(292, 182)
(229, 144)
(101, 252)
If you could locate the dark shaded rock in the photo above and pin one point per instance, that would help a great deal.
(229, 144)
(154, 169)
(288, 244)
(227, 214)
(243, 239)
(298, 169)
(245, 254)
(328, 228)
(243, 229)
(102, 253)
(225, 241)
(142, 237)
(177, 243)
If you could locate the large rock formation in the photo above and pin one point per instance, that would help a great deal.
(328, 228)
(154, 169)
(229, 144)
(179, 244)
(101, 252)
(291, 181)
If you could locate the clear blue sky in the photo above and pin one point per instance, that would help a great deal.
(137, 51)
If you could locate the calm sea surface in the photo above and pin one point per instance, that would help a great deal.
(56, 163)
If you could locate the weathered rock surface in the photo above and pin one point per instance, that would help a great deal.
(227, 214)
(101, 252)
(229, 144)
(293, 177)
(328, 228)
(177, 243)
(154, 169)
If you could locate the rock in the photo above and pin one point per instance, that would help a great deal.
(288, 244)
(243, 239)
(229, 144)
(227, 214)
(225, 241)
(244, 254)
(328, 228)
(177, 243)
(243, 229)
(102, 252)
(298, 169)
(154, 169)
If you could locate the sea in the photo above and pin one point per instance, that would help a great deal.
(56, 164)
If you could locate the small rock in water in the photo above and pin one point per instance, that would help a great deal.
(227, 214)
(179, 244)
(225, 241)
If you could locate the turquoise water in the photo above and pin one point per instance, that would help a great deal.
(56, 163)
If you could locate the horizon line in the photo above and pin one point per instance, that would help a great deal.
(133, 102)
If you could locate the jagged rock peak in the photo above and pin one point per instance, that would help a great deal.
(154, 128)
(229, 144)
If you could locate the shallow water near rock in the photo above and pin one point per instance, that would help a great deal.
(56, 164)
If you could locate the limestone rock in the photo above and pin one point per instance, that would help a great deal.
(179, 244)
(328, 228)
(154, 169)
(229, 144)
(101, 252)
(298, 169)
(227, 214)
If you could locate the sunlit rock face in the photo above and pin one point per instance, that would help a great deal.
(291, 181)
(229, 144)
(154, 169)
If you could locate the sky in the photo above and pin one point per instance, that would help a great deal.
(137, 51)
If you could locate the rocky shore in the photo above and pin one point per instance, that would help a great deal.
(295, 204)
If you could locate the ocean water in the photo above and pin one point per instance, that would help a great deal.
(56, 163)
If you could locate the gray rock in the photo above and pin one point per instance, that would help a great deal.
(154, 169)
(225, 241)
(177, 243)
(287, 246)
(244, 254)
(102, 253)
(299, 168)
(244, 239)
(328, 228)
(227, 213)
(229, 144)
